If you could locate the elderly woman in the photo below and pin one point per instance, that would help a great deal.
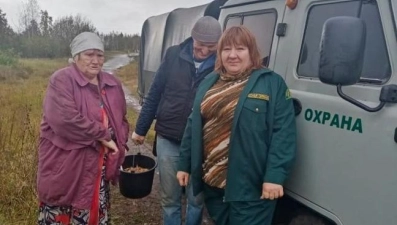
(83, 138)
(240, 139)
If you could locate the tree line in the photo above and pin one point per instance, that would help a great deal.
(40, 36)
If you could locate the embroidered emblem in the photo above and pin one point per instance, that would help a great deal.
(287, 94)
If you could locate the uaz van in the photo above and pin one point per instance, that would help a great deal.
(339, 59)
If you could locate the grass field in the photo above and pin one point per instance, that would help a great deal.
(21, 92)
(22, 88)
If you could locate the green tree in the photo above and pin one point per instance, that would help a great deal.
(66, 28)
(32, 30)
(45, 23)
(6, 33)
(30, 11)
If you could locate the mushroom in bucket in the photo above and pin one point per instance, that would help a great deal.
(136, 176)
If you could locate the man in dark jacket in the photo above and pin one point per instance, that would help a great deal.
(170, 100)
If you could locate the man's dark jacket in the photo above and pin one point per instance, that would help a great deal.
(171, 95)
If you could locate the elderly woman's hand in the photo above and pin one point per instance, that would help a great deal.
(111, 145)
(272, 191)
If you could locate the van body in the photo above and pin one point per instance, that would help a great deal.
(347, 156)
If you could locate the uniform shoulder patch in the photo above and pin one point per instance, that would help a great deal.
(287, 94)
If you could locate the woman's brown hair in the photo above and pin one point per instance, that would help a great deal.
(238, 35)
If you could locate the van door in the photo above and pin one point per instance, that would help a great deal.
(347, 157)
(261, 18)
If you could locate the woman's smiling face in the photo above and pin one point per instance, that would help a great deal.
(235, 58)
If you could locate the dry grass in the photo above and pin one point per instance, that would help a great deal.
(129, 76)
(21, 93)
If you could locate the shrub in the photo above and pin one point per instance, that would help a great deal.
(8, 57)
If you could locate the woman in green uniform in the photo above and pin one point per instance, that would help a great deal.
(240, 140)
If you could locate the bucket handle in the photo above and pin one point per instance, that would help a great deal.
(139, 153)
(133, 159)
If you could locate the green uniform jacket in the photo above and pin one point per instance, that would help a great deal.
(263, 137)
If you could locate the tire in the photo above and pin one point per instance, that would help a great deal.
(308, 218)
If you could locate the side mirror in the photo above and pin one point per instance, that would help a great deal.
(342, 48)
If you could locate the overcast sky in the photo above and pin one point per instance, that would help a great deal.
(125, 16)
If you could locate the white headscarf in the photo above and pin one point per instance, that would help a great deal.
(85, 41)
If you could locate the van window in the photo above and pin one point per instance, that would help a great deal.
(262, 25)
(233, 21)
(376, 68)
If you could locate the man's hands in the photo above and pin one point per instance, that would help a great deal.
(183, 178)
(110, 145)
(272, 191)
(137, 139)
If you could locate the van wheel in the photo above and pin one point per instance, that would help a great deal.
(308, 218)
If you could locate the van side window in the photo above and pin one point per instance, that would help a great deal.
(376, 68)
(262, 25)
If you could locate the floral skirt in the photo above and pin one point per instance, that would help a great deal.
(64, 215)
